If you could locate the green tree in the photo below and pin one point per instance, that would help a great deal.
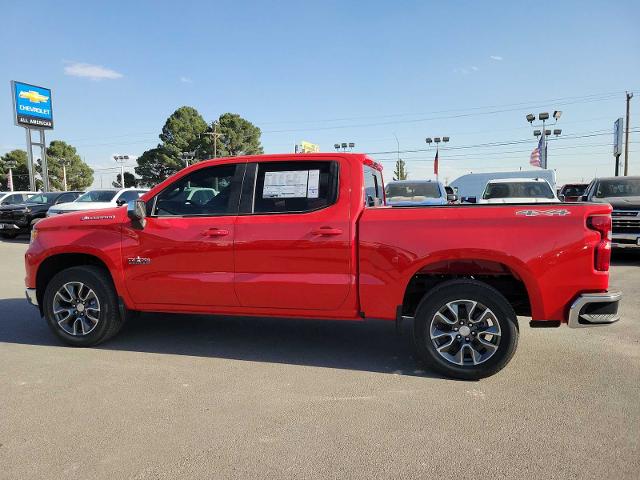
(129, 180)
(238, 136)
(156, 165)
(400, 173)
(79, 174)
(20, 172)
(182, 132)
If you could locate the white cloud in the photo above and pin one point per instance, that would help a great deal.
(186, 80)
(497, 58)
(474, 68)
(94, 72)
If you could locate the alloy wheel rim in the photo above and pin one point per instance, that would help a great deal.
(465, 332)
(76, 309)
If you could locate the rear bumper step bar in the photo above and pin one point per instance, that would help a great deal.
(594, 309)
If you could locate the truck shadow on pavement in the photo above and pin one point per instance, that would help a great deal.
(366, 346)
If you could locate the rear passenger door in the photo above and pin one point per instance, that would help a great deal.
(293, 245)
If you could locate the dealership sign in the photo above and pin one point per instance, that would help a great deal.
(32, 106)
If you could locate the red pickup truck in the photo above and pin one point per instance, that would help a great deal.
(309, 236)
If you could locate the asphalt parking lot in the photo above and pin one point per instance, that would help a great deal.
(197, 397)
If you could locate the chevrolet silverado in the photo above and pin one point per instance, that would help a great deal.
(310, 236)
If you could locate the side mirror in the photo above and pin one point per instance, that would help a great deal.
(452, 198)
(137, 212)
(584, 198)
(470, 199)
(561, 197)
(120, 202)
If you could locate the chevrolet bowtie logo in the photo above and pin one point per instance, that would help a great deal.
(33, 96)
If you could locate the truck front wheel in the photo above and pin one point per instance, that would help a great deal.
(465, 329)
(81, 307)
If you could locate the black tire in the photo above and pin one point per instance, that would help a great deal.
(9, 235)
(109, 320)
(457, 290)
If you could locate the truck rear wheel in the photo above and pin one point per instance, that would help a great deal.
(465, 329)
(81, 307)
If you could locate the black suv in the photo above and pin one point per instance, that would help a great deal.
(20, 218)
(623, 193)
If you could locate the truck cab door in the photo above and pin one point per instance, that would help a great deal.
(184, 253)
(294, 237)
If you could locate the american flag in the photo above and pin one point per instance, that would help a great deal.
(435, 164)
(534, 159)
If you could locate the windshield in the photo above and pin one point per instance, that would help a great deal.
(518, 190)
(97, 196)
(418, 189)
(573, 190)
(43, 198)
(629, 187)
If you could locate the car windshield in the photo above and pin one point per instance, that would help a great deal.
(518, 190)
(628, 187)
(97, 196)
(418, 189)
(43, 198)
(573, 190)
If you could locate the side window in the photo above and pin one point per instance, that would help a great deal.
(295, 187)
(206, 192)
(373, 194)
(15, 199)
(66, 197)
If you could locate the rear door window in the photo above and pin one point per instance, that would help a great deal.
(295, 187)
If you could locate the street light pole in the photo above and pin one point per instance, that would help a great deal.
(11, 165)
(187, 157)
(436, 161)
(121, 159)
(543, 117)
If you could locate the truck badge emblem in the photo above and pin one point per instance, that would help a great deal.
(138, 261)
(548, 213)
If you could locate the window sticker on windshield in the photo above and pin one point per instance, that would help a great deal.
(314, 182)
(289, 184)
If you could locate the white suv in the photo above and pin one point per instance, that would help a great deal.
(518, 190)
(98, 200)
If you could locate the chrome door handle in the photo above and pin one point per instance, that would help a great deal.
(216, 232)
(327, 231)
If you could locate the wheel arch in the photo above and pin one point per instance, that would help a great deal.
(54, 264)
(506, 274)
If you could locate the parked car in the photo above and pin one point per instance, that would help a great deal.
(20, 218)
(471, 186)
(13, 198)
(623, 194)
(572, 192)
(302, 236)
(412, 193)
(518, 190)
(98, 200)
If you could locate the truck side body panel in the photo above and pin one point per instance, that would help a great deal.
(548, 247)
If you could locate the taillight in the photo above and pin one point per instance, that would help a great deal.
(602, 225)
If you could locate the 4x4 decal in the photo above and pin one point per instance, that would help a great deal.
(548, 213)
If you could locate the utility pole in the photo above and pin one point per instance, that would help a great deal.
(626, 137)
(215, 135)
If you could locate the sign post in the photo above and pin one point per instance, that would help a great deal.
(32, 110)
(618, 127)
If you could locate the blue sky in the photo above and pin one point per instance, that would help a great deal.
(330, 71)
